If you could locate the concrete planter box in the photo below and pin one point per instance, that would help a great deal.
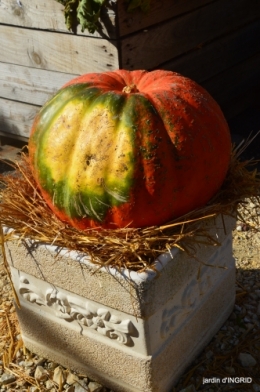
(130, 331)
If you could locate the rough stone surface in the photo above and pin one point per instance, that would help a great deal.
(71, 378)
(40, 374)
(246, 248)
(164, 320)
(247, 360)
(59, 376)
(112, 289)
(190, 388)
(94, 387)
(7, 378)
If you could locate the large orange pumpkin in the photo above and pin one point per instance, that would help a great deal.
(132, 148)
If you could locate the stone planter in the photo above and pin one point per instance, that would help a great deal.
(130, 331)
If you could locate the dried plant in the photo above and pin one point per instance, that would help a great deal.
(23, 209)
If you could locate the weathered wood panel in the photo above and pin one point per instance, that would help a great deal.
(16, 118)
(63, 53)
(149, 49)
(241, 102)
(218, 55)
(48, 15)
(129, 22)
(30, 85)
(234, 81)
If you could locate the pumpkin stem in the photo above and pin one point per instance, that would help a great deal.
(130, 89)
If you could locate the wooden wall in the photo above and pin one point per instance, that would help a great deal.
(215, 42)
(38, 55)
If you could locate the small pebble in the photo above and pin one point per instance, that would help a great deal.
(247, 360)
(81, 388)
(52, 365)
(49, 384)
(230, 370)
(209, 354)
(253, 296)
(94, 387)
(34, 389)
(70, 389)
(190, 388)
(40, 373)
(58, 376)
(39, 361)
(71, 378)
(7, 378)
(28, 363)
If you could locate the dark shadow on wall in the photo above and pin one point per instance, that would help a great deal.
(245, 125)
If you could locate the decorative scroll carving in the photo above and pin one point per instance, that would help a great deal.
(185, 304)
(72, 309)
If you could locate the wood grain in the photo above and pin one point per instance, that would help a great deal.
(232, 82)
(242, 102)
(30, 85)
(129, 22)
(148, 49)
(16, 118)
(218, 55)
(56, 51)
(48, 15)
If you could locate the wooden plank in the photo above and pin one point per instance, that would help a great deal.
(30, 85)
(152, 47)
(241, 103)
(233, 82)
(129, 22)
(16, 118)
(9, 152)
(63, 53)
(218, 55)
(12, 139)
(48, 15)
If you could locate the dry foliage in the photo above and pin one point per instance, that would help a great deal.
(23, 209)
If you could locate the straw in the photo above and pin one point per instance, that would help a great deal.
(23, 209)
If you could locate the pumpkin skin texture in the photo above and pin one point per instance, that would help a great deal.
(129, 148)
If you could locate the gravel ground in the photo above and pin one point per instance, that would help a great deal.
(233, 354)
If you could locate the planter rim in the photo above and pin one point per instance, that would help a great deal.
(137, 277)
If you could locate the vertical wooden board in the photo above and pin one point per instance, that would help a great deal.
(218, 55)
(152, 47)
(49, 15)
(30, 85)
(57, 51)
(160, 11)
(16, 118)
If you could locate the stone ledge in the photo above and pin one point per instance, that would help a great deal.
(139, 294)
(178, 311)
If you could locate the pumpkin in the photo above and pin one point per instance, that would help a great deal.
(129, 148)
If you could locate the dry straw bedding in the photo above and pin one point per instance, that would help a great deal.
(23, 209)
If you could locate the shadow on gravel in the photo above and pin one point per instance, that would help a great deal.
(220, 366)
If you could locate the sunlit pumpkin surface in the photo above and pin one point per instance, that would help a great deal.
(129, 148)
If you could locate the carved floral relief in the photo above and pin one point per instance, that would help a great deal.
(73, 309)
(189, 298)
